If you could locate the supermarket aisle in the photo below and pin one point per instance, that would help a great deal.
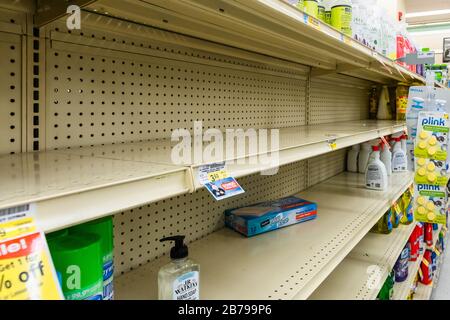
(442, 290)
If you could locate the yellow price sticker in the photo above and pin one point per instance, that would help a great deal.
(17, 228)
(314, 22)
(333, 145)
(217, 175)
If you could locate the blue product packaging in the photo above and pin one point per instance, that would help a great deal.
(271, 215)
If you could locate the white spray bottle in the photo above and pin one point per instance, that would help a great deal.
(386, 157)
(352, 159)
(363, 158)
(399, 160)
(376, 175)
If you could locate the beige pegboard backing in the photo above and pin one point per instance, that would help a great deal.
(338, 98)
(137, 232)
(10, 93)
(102, 94)
(326, 166)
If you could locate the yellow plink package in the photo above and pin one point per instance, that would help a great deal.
(429, 171)
(430, 203)
(27, 271)
(432, 136)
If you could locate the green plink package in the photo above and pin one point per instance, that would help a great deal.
(104, 229)
(387, 290)
(78, 263)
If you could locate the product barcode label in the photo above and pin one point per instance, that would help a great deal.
(13, 210)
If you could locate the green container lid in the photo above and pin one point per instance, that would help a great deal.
(57, 234)
(103, 228)
(81, 251)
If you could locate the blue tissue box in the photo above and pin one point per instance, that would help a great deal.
(270, 215)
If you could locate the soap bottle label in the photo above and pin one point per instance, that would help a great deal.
(398, 162)
(186, 287)
(374, 177)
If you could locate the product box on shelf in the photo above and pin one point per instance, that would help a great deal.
(270, 215)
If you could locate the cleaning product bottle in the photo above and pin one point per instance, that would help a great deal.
(425, 271)
(327, 14)
(373, 102)
(352, 159)
(396, 214)
(376, 175)
(401, 266)
(398, 157)
(428, 234)
(403, 139)
(407, 207)
(341, 16)
(363, 157)
(311, 8)
(321, 10)
(384, 107)
(179, 279)
(384, 224)
(104, 229)
(78, 263)
(387, 290)
(386, 157)
(300, 4)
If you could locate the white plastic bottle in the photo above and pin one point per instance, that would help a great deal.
(179, 279)
(376, 175)
(363, 158)
(352, 159)
(403, 142)
(386, 158)
(399, 161)
(384, 107)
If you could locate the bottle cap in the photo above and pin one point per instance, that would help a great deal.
(375, 148)
(180, 250)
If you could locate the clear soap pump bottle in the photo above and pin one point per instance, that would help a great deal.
(179, 279)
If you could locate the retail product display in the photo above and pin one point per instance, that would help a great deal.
(311, 7)
(384, 108)
(386, 157)
(399, 159)
(352, 158)
(387, 290)
(180, 278)
(376, 174)
(363, 158)
(104, 229)
(401, 101)
(78, 261)
(384, 224)
(341, 16)
(270, 215)
(71, 247)
(401, 266)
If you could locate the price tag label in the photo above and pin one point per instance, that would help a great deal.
(331, 141)
(26, 268)
(313, 22)
(218, 182)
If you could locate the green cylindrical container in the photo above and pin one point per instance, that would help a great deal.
(311, 8)
(321, 11)
(78, 263)
(57, 234)
(341, 16)
(301, 4)
(104, 229)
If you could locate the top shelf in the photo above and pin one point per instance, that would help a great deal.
(269, 27)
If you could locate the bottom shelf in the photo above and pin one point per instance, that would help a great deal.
(289, 263)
